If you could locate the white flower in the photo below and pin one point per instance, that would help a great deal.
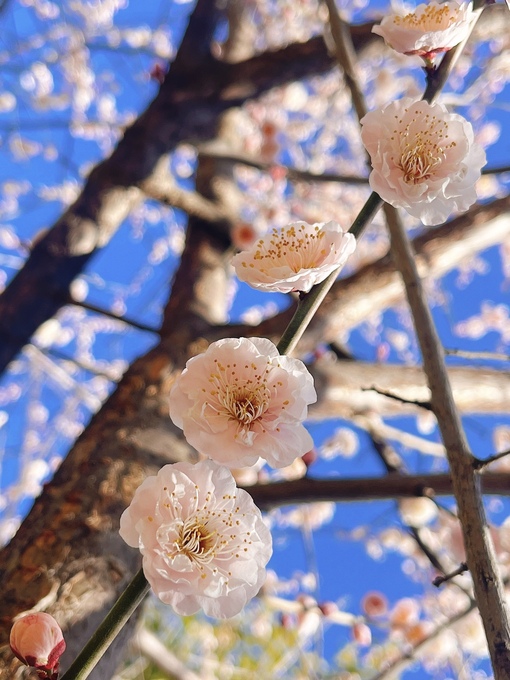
(432, 28)
(203, 541)
(241, 400)
(37, 640)
(294, 258)
(424, 158)
(418, 512)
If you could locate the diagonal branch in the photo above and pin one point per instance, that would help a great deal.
(186, 109)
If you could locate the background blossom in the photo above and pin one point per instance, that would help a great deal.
(424, 158)
(242, 400)
(294, 258)
(203, 541)
(432, 28)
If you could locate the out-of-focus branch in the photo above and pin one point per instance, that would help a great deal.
(376, 286)
(152, 648)
(342, 387)
(309, 490)
(214, 150)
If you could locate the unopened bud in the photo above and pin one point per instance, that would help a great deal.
(37, 640)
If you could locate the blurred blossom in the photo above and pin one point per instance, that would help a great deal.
(203, 541)
(470, 635)
(405, 613)
(37, 640)
(241, 400)
(311, 516)
(431, 29)
(294, 258)
(344, 442)
(7, 102)
(424, 158)
(243, 235)
(417, 512)
(362, 634)
(418, 632)
(374, 604)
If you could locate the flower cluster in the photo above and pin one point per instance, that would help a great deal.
(431, 29)
(424, 158)
(203, 541)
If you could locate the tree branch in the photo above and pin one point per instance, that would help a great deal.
(310, 490)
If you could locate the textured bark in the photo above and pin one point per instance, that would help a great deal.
(67, 557)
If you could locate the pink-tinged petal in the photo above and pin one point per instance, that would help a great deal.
(212, 545)
(294, 258)
(426, 162)
(432, 28)
(37, 640)
(238, 401)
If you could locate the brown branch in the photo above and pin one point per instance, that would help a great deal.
(439, 580)
(309, 490)
(480, 553)
(186, 109)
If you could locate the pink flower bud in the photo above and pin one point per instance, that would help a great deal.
(362, 634)
(374, 604)
(37, 640)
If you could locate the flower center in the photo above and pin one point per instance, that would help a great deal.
(431, 19)
(240, 393)
(418, 163)
(295, 247)
(196, 541)
(246, 405)
(423, 150)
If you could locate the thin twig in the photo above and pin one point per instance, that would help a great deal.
(464, 354)
(391, 395)
(439, 580)
(480, 464)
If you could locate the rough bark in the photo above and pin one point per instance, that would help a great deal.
(67, 556)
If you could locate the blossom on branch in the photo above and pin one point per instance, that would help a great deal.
(294, 258)
(431, 29)
(37, 640)
(203, 541)
(424, 158)
(241, 400)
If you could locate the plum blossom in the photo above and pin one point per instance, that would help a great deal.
(203, 541)
(37, 640)
(241, 400)
(294, 258)
(418, 512)
(424, 158)
(431, 29)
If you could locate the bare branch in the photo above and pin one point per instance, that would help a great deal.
(309, 490)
